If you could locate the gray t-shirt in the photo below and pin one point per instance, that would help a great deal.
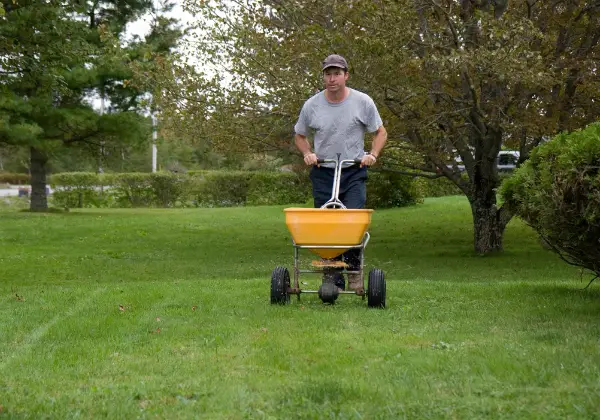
(338, 127)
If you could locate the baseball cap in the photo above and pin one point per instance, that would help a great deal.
(335, 60)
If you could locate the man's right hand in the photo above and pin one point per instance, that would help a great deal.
(310, 159)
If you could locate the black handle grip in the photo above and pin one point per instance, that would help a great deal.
(320, 160)
(359, 161)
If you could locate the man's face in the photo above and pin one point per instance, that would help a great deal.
(334, 79)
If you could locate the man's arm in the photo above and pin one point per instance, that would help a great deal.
(378, 141)
(304, 146)
(376, 146)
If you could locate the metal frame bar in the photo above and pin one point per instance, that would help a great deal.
(298, 271)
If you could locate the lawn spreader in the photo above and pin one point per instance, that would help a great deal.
(328, 232)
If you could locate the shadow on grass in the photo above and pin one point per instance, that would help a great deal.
(317, 397)
(565, 305)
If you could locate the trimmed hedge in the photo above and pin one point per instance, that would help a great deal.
(278, 188)
(213, 189)
(222, 189)
(77, 189)
(14, 178)
(87, 189)
(131, 189)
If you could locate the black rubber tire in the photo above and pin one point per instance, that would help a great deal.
(376, 289)
(328, 293)
(280, 281)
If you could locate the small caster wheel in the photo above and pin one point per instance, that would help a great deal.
(328, 293)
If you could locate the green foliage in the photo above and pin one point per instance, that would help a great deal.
(197, 173)
(272, 188)
(87, 189)
(131, 189)
(169, 189)
(387, 190)
(77, 190)
(223, 189)
(557, 192)
(214, 189)
(14, 178)
(438, 187)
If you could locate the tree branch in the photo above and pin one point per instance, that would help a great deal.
(409, 173)
(591, 281)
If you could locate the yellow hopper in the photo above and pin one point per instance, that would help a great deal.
(327, 227)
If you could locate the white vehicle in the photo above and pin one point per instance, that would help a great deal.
(507, 160)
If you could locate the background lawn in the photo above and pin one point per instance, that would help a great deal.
(165, 314)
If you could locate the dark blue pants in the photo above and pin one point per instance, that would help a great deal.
(353, 193)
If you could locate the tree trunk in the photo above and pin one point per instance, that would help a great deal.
(39, 201)
(488, 220)
(488, 227)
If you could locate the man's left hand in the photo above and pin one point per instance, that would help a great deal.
(368, 160)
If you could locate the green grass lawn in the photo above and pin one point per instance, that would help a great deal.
(165, 314)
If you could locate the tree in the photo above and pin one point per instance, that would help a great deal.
(453, 79)
(53, 56)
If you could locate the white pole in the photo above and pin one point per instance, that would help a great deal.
(154, 137)
(100, 170)
(154, 128)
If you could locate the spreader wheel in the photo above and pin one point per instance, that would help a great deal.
(376, 289)
(280, 282)
(328, 292)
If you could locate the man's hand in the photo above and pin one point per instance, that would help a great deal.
(368, 160)
(310, 159)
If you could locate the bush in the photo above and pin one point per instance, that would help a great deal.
(278, 188)
(388, 189)
(131, 189)
(88, 189)
(557, 192)
(77, 189)
(222, 189)
(169, 189)
(213, 189)
(14, 178)
(439, 187)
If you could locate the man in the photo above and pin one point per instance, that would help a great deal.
(337, 119)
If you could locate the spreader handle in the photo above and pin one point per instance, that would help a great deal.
(319, 161)
(334, 201)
